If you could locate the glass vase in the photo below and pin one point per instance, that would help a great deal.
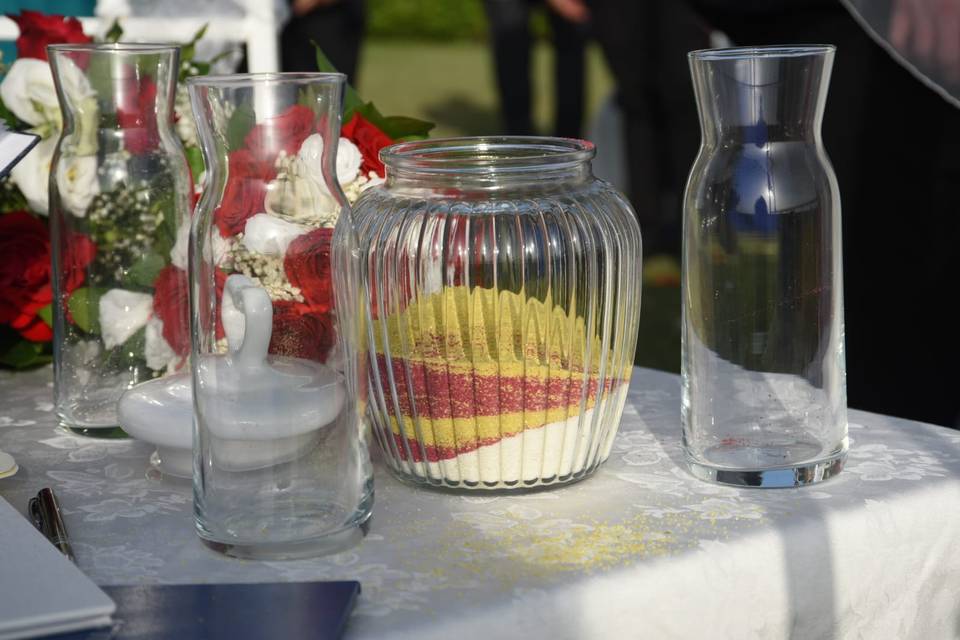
(119, 195)
(764, 396)
(281, 467)
(501, 283)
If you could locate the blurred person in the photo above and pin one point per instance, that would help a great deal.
(336, 25)
(512, 43)
(645, 44)
(928, 32)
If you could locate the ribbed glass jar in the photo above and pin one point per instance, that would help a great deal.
(502, 288)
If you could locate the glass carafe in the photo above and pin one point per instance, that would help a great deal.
(281, 467)
(764, 395)
(119, 197)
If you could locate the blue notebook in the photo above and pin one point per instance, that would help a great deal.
(289, 610)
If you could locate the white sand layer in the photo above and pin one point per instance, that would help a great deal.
(534, 455)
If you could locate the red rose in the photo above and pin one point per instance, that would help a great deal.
(307, 265)
(243, 196)
(301, 331)
(37, 30)
(171, 304)
(286, 131)
(369, 139)
(25, 268)
(137, 114)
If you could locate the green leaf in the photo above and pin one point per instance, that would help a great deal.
(143, 272)
(166, 235)
(129, 354)
(100, 75)
(240, 124)
(403, 127)
(11, 198)
(195, 160)
(46, 314)
(203, 68)
(8, 118)
(351, 99)
(23, 354)
(189, 49)
(114, 33)
(394, 126)
(84, 306)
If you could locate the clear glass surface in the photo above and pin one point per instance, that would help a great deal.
(764, 396)
(281, 467)
(119, 190)
(501, 299)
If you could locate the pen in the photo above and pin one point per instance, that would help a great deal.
(45, 513)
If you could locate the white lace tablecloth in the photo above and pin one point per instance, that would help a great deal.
(642, 549)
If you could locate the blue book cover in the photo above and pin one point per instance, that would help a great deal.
(291, 610)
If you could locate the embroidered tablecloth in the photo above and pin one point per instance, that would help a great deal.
(641, 549)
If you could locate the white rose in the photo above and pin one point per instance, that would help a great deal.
(158, 352)
(179, 252)
(28, 91)
(122, 314)
(349, 159)
(270, 235)
(77, 183)
(295, 195)
(32, 175)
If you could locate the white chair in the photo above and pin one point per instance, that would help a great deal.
(255, 25)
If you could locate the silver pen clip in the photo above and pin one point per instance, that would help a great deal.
(45, 515)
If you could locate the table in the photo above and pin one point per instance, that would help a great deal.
(641, 549)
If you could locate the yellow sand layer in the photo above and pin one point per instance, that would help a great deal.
(481, 349)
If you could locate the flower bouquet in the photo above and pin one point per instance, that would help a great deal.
(275, 220)
(118, 235)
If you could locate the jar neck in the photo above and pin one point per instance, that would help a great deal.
(126, 85)
(761, 95)
(488, 164)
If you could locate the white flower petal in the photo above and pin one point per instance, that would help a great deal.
(122, 314)
(32, 175)
(349, 159)
(158, 352)
(269, 235)
(77, 183)
(27, 85)
(180, 251)
(311, 154)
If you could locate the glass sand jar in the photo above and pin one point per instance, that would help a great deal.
(764, 396)
(281, 467)
(502, 288)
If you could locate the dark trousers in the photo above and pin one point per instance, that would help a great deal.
(645, 43)
(511, 39)
(337, 28)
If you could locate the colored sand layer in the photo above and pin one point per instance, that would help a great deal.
(494, 387)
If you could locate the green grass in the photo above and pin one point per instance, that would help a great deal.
(452, 85)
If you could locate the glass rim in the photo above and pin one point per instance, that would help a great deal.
(486, 154)
(267, 77)
(767, 51)
(131, 47)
